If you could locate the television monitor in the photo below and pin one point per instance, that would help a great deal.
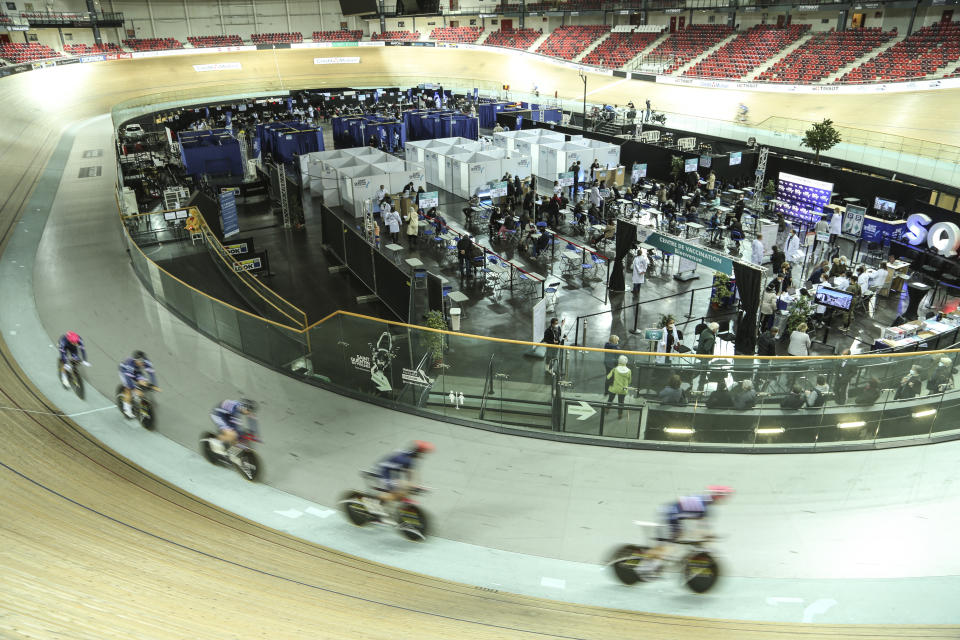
(357, 7)
(735, 157)
(690, 165)
(884, 205)
(834, 298)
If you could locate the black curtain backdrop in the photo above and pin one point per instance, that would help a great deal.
(626, 238)
(749, 281)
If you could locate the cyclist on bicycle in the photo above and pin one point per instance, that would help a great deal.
(228, 416)
(396, 472)
(674, 513)
(71, 348)
(742, 112)
(135, 371)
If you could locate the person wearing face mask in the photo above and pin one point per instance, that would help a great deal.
(669, 340)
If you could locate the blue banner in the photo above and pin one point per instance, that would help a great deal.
(228, 214)
(519, 123)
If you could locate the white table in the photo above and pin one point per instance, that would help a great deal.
(458, 296)
(414, 262)
(739, 192)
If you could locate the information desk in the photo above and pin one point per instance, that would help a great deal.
(921, 335)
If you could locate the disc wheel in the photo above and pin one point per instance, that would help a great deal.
(249, 465)
(700, 571)
(119, 400)
(146, 416)
(413, 523)
(207, 450)
(626, 560)
(354, 509)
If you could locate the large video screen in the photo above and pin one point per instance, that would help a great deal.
(834, 298)
(802, 199)
(357, 7)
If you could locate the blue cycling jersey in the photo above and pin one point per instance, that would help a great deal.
(67, 349)
(396, 464)
(130, 371)
(227, 415)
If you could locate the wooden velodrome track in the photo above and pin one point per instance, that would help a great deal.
(92, 546)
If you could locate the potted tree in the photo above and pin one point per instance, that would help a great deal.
(801, 311)
(769, 190)
(822, 136)
(722, 294)
(435, 340)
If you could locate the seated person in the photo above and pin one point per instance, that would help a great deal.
(870, 392)
(721, 398)
(743, 395)
(673, 393)
(942, 377)
(818, 395)
(542, 243)
(795, 399)
(910, 385)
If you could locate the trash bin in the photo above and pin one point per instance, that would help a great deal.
(455, 318)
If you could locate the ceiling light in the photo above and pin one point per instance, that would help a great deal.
(924, 413)
(682, 431)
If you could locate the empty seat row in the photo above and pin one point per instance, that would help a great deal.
(27, 51)
(824, 54)
(747, 51)
(397, 35)
(620, 48)
(570, 41)
(339, 35)
(276, 38)
(916, 56)
(686, 44)
(152, 44)
(513, 38)
(202, 42)
(456, 34)
(91, 49)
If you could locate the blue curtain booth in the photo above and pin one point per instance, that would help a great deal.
(211, 152)
(283, 140)
(355, 131)
(430, 124)
(487, 112)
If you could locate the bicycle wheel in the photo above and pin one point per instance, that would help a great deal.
(146, 416)
(77, 383)
(700, 571)
(413, 523)
(625, 561)
(249, 465)
(354, 508)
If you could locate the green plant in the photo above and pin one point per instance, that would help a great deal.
(666, 319)
(676, 167)
(721, 288)
(800, 313)
(820, 137)
(436, 320)
(770, 189)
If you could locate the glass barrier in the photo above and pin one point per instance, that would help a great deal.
(271, 343)
(827, 402)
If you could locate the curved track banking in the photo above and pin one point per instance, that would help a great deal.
(94, 546)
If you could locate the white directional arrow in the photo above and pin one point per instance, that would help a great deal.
(380, 381)
(583, 411)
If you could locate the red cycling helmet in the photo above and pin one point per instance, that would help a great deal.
(422, 446)
(72, 337)
(718, 492)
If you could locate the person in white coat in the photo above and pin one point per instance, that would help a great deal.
(668, 341)
(640, 265)
(836, 222)
(392, 220)
(792, 247)
(595, 195)
(756, 250)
